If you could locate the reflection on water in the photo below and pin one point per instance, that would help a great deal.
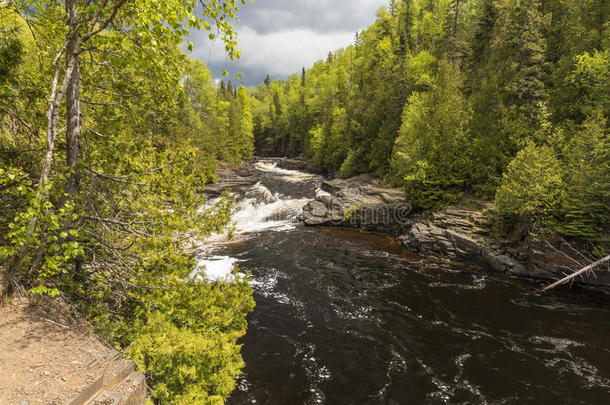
(344, 317)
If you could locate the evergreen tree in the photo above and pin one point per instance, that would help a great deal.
(229, 91)
(440, 97)
(585, 212)
(532, 190)
(481, 43)
(518, 54)
(430, 156)
(405, 27)
(246, 135)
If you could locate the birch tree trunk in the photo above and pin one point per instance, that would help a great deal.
(73, 135)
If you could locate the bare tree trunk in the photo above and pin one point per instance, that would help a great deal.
(52, 130)
(70, 88)
(571, 277)
(73, 135)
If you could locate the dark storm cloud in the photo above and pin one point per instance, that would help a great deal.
(265, 16)
(279, 37)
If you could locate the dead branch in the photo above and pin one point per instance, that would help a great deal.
(549, 244)
(577, 274)
(23, 122)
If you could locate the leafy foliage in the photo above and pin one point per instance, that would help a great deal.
(533, 188)
(106, 215)
(439, 97)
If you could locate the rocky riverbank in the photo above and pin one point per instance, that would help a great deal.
(361, 203)
(231, 177)
(464, 235)
(456, 234)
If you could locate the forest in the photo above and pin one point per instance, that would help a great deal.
(108, 133)
(505, 100)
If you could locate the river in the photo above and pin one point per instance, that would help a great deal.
(344, 317)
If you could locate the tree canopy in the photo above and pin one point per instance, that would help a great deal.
(109, 134)
(440, 96)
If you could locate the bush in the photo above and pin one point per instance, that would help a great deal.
(186, 341)
(532, 188)
(354, 164)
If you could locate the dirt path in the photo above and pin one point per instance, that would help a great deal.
(46, 357)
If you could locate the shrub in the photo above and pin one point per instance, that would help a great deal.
(532, 188)
(186, 340)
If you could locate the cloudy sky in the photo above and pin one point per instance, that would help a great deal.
(279, 37)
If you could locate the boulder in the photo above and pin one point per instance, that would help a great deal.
(359, 202)
(228, 178)
(300, 164)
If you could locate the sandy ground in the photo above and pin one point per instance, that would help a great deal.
(46, 356)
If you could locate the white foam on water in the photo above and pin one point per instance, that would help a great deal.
(218, 268)
(294, 176)
(261, 210)
(257, 209)
(321, 193)
(272, 212)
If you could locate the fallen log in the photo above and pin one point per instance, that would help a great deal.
(576, 274)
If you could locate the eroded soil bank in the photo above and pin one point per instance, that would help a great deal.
(49, 356)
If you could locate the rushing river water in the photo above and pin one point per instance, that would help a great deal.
(343, 317)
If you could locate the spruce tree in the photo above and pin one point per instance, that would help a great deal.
(481, 43)
(405, 27)
(229, 92)
(518, 54)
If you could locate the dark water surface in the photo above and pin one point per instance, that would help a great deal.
(343, 317)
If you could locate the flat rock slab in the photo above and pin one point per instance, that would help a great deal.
(360, 202)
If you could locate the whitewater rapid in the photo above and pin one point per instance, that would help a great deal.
(258, 209)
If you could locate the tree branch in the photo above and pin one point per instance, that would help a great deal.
(576, 274)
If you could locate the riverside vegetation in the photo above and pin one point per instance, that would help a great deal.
(508, 100)
(107, 132)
